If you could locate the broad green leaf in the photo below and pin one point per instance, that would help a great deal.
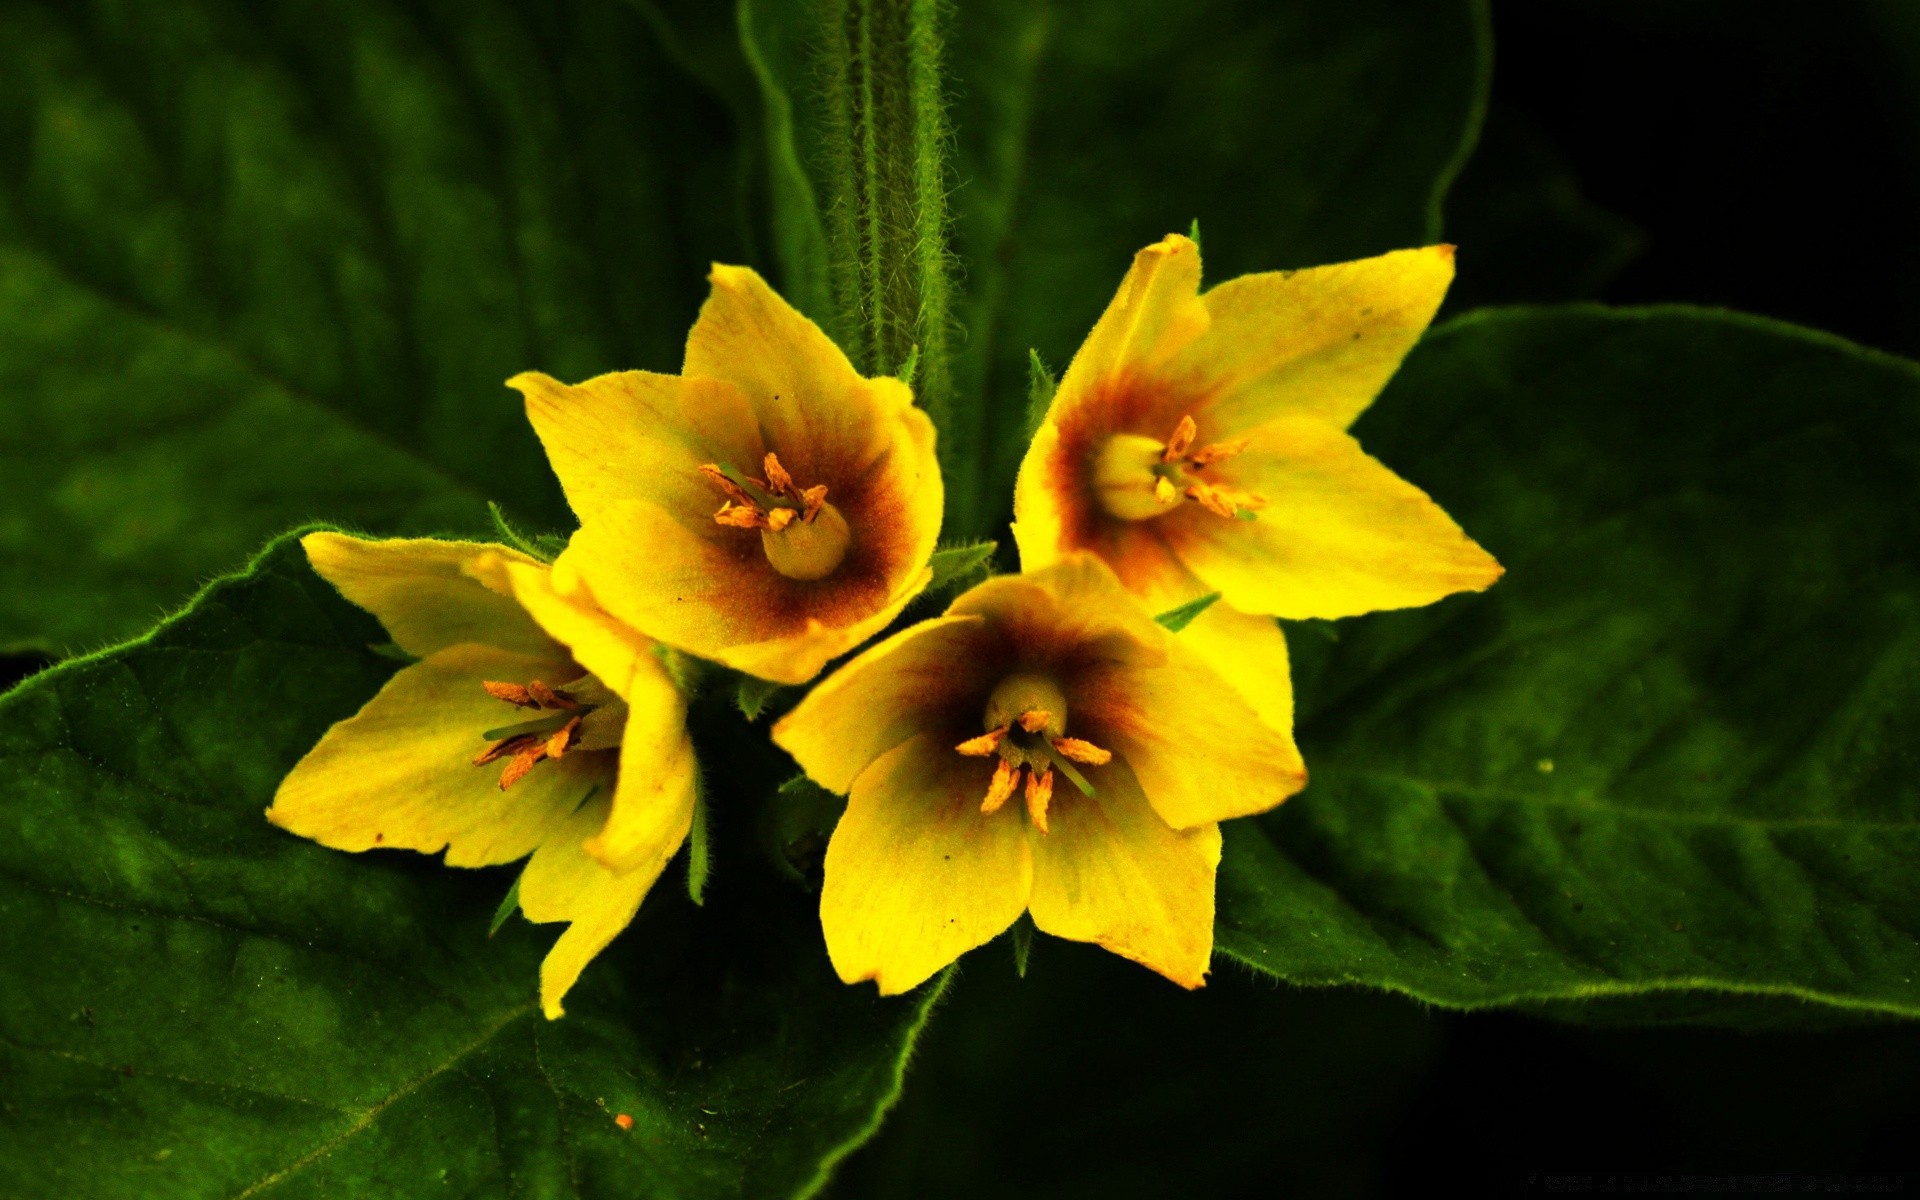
(197, 1004)
(1093, 1079)
(1295, 134)
(265, 263)
(1671, 754)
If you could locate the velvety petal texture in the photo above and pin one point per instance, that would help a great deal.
(401, 774)
(1201, 437)
(926, 865)
(693, 490)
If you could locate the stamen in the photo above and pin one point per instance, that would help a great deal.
(522, 763)
(740, 516)
(563, 738)
(778, 481)
(733, 491)
(1081, 751)
(1006, 777)
(984, 745)
(1182, 438)
(503, 747)
(1035, 719)
(780, 518)
(1206, 456)
(512, 693)
(1039, 794)
(1164, 491)
(550, 698)
(813, 498)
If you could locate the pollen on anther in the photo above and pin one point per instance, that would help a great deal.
(1006, 777)
(1035, 719)
(983, 745)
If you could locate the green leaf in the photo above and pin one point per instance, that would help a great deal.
(1669, 755)
(1298, 134)
(1176, 619)
(196, 1003)
(261, 264)
(955, 567)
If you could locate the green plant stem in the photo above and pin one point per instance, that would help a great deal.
(886, 147)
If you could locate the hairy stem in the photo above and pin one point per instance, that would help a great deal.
(887, 142)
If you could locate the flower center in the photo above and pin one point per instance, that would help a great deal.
(1026, 726)
(1138, 478)
(584, 716)
(803, 536)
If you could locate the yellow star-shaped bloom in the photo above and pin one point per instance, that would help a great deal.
(768, 508)
(532, 723)
(1198, 443)
(1044, 747)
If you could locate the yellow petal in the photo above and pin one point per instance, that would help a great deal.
(562, 604)
(1340, 534)
(806, 393)
(1111, 872)
(399, 774)
(564, 883)
(1155, 315)
(654, 796)
(708, 590)
(422, 592)
(1200, 751)
(916, 875)
(883, 697)
(636, 435)
(1315, 343)
(1076, 608)
(1250, 653)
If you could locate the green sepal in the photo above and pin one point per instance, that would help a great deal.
(509, 904)
(393, 651)
(1022, 943)
(1040, 389)
(752, 695)
(544, 546)
(910, 366)
(956, 566)
(1193, 234)
(795, 825)
(1176, 619)
(699, 856)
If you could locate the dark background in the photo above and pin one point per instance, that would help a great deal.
(1761, 156)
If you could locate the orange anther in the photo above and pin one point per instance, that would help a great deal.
(1039, 795)
(1177, 445)
(983, 745)
(1006, 777)
(1035, 719)
(1081, 751)
(512, 693)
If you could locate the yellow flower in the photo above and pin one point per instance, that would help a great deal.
(1198, 444)
(1026, 679)
(767, 508)
(531, 724)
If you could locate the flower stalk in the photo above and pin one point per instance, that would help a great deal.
(886, 146)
